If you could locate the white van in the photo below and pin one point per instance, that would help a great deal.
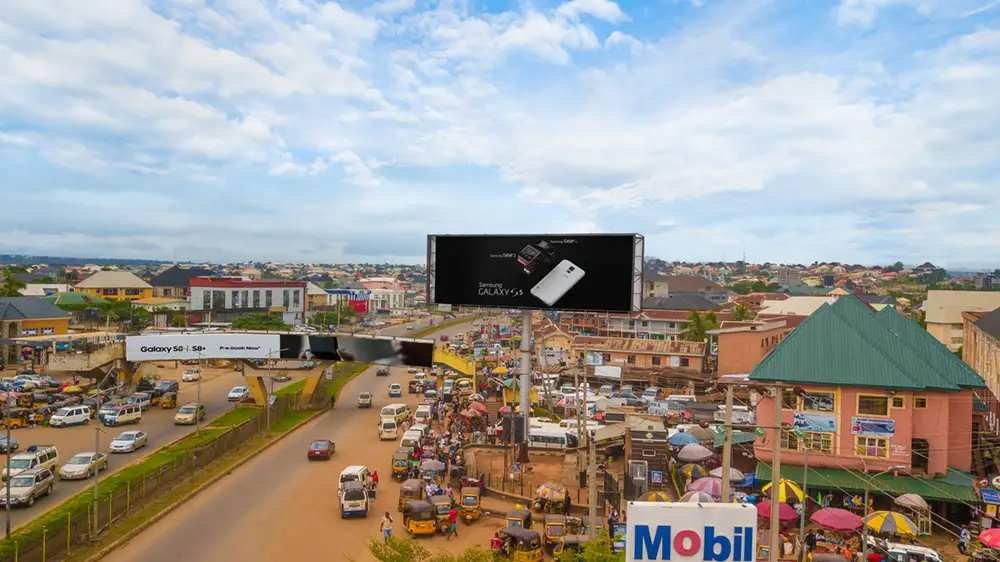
(398, 412)
(354, 473)
(423, 428)
(387, 429)
(70, 415)
(121, 415)
(423, 414)
(354, 499)
(36, 456)
(545, 438)
(410, 439)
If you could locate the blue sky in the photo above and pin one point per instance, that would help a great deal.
(309, 130)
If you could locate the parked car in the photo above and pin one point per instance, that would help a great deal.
(82, 466)
(282, 377)
(321, 449)
(6, 445)
(238, 394)
(28, 486)
(191, 375)
(35, 456)
(167, 385)
(128, 442)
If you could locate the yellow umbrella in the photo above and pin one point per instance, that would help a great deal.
(890, 522)
(655, 497)
(786, 489)
(72, 390)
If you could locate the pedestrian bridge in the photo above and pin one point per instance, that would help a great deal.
(454, 361)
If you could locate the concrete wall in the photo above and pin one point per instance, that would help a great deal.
(86, 361)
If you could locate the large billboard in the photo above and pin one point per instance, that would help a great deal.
(688, 532)
(596, 272)
(370, 349)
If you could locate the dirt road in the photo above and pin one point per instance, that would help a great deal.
(280, 506)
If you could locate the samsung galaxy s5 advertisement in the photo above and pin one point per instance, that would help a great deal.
(543, 271)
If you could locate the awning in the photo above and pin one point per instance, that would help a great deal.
(954, 487)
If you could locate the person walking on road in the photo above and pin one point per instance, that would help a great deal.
(452, 522)
(375, 483)
(386, 527)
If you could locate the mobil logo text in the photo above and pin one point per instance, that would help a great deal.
(709, 543)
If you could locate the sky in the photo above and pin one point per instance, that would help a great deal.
(859, 131)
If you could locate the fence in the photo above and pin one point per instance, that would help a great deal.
(78, 528)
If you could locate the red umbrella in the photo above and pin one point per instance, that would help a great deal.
(785, 512)
(990, 538)
(478, 407)
(709, 485)
(837, 519)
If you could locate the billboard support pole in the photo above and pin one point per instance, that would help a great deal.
(727, 444)
(525, 381)
(775, 537)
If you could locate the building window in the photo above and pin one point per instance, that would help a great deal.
(789, 400)
(869, 405)
(166, 292)
(245, 299)
(111, 292)
(30, 332)
(818, 402)
(919, 403)
(898, 403)
(218, 300)
(48, 331)
(819, 442)
(268, 300)
(605, 358)
(296, 299)
(656, 360)
(630, 360)
(206, 299)
(256, 298)
(685, 362)
(133, 292)
(285, 298)
(234, 297)
(789, 440)
(871, 446)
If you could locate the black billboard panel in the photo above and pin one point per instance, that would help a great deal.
(597, 272)
(380, 350)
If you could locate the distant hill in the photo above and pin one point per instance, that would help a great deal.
(23, 259)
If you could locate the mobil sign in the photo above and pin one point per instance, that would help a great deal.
(688, 532)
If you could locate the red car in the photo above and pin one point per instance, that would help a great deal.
(322, 449)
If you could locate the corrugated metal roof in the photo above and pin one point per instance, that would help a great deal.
(953, 487)
(930, 350)
(627, 345)
(826, 349)
(946, 307)
(29, 308)
(802, 306)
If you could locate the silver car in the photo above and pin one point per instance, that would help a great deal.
(82, 466)
(29, 485)
(128, 441)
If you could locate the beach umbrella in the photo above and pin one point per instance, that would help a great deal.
(990, 538)
(478, 407)
(694, 471)
(786, 490)
(837, 519)
(476, 396)
(681, 438)
(697, 497)
(734, 475)
(702, 433)
(912, 501)
(890, 522)
(785, 512)
(505, 410)
(551, 491)
(709, 485)
(431, 465)
(72, 390)
(655, 497)
(694, 453)
(470, 413)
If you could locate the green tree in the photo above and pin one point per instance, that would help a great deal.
(408, 550)
(179, 321)
(920, 317)
(259, 321)
(12, 286)
(698, 326)
(742, 312)
(593, 551)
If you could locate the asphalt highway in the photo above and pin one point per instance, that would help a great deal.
(280, 506)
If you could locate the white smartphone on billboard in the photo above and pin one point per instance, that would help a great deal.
(558, 282)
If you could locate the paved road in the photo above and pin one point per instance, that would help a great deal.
(279, 506)
(158, 423)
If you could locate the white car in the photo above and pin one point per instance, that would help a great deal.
(239, 393)
(82, 466)
(191, 375)
(128, 441)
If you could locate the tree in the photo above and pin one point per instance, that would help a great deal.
(408, 550)
(920, 317)
(330, 318)
(593, 551)
(742, 312)
(179, 321)
(699, 325)
(12, 286)
(259, 321)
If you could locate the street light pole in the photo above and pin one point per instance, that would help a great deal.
(864, 527)
(97, 465)
(197, 417)
(7, 473)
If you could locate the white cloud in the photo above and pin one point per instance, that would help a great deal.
(358, 171)
(394, 6)
(619, 39)
(864, 12)
(601, 9)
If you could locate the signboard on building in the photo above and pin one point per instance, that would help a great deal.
(819, 423)
(878, 427)
(369, 349)
(541, 271)
(608, 372)
(688, 532)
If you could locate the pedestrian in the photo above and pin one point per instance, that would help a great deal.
(386, 527)
(375, 482)
(566, 504)
(448, 490)
(810, 541)
(963, 541)
(452, 522)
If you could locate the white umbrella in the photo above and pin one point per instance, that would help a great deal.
(912, 501)
(697, 497)
(734, 475)
(694, 453)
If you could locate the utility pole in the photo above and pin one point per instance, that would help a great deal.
(197, 417)
(727, 445)
(7, 473)
(97, 452)
(805, 503)
(525, 380)
(775, 549)
(592, 485)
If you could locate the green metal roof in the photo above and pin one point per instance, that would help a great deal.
(739, 438)
(845, 344)
(953, 487)
(930, 350)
